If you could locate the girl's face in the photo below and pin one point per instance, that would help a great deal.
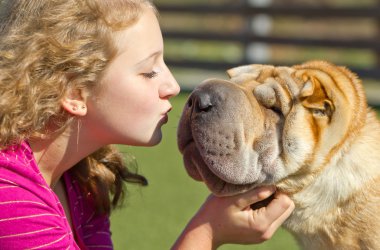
(133, 101)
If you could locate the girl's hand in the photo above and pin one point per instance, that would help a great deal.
(224, 220)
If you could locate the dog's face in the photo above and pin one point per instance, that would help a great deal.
(268, 125)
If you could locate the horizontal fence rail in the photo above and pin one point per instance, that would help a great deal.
(301, 11)
(373, 44)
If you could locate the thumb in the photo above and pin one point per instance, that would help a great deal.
(255, 195)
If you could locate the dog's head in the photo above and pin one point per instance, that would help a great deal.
(269, 125)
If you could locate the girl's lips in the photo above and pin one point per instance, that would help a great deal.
(165, 116)
(164, 119)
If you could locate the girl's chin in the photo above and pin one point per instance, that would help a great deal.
(155, 139)
(144, 140)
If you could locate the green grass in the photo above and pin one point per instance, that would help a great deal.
(154, 216)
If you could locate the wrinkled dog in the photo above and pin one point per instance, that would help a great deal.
(306, 129)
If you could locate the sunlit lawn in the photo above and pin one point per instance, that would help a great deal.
(154, 216)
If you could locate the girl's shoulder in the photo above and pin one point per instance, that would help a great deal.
(18, 154)
(30, 212)
(18, 166)
(20, 177)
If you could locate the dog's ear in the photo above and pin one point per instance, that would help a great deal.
(313, 96)
(251, 72)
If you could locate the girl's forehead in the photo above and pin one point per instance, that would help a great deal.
(144, 36)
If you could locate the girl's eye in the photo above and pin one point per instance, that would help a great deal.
(150, 75)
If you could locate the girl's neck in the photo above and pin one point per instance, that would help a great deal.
(59, 152)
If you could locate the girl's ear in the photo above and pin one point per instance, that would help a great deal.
(74, 102)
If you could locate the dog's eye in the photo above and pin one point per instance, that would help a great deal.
(277, 110)
(318, 112)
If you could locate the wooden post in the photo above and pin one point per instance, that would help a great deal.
(261, 25)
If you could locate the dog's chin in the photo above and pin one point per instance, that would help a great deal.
(197, 169)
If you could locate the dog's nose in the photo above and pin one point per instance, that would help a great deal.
(200, 101)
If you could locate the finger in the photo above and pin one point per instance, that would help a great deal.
(279, 208)
(280, 220)
(255, 195)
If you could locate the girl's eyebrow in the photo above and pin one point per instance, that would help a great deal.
(153, 55)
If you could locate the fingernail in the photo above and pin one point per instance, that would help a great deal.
(271, 189)
(265, 191)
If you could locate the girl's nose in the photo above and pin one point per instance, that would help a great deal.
(170, 86)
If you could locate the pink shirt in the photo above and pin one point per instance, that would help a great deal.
(31, 215)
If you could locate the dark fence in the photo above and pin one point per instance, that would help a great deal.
(245, 36)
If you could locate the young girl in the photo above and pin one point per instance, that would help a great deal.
(75, 77)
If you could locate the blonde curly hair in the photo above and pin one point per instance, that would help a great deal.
(48, 47)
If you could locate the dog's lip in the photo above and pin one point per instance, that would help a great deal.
(185, 142)
(217, 185)
(222, 188)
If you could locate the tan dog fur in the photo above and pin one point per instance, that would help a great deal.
(306, 129)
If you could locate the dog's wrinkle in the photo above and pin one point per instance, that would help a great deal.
(186, 138)
(191, 111)
(223, 187)
(184, 141)
(190, 154)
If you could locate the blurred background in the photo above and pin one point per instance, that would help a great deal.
(202, 40)
(221, 34)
